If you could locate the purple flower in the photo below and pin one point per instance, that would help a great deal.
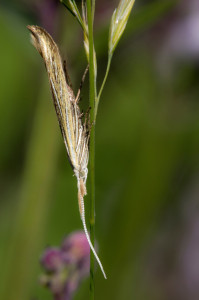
(67, 266)
(76, 245)
(52, 259)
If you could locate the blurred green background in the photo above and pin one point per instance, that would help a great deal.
(147, 146)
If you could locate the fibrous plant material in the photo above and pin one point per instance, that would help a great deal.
(74, 132)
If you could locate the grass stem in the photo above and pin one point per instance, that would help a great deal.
(92, 97)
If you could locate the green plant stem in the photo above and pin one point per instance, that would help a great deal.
(75, 12)
(92, 209)
(93, 8)
(92, 95)
(103, 83)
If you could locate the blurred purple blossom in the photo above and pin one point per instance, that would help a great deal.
(183, 38)
(67, 266)
(179, 38)
(46, 13)
(52, 259)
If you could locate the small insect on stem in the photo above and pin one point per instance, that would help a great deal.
(75, 133)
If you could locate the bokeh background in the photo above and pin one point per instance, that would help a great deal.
(147, 151)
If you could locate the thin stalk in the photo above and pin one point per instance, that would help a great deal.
(92, 210)
(75, 12)
(92, 96)
(102, 86)
(93, 9)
